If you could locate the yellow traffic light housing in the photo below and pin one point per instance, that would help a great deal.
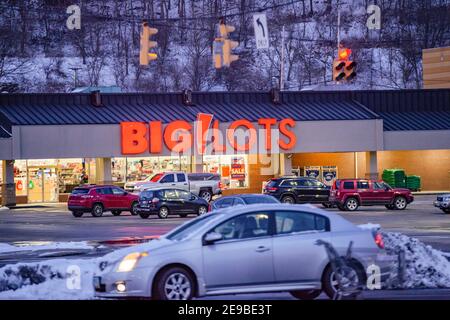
(146, 45)
(222, 47)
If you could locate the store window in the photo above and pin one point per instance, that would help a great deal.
(71, 173)
(233, 169)
(20, 177)
(118, 169)
(138, 169)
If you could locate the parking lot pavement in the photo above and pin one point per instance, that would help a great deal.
(53, 222)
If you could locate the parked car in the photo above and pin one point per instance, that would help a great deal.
(349, 194)
(165, 201)
(443, 202)
(205, 189)
(298, 190)
(242, 199)
(243, 249)
(97, 199)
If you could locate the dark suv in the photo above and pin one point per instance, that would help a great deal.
(165, 201)
(349, 194)
(298, 190)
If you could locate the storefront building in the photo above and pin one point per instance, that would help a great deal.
(50, 143)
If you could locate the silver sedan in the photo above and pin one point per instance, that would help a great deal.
(245, 249)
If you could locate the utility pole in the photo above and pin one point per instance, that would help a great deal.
(339, 25)
(282, 61)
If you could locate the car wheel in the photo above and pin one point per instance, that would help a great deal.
(116, 212)
(183, 215)
(163, 212)
(400, 203)
(351, 204)
(288, 200)
(97, 210)
(306, 294)
(144, 215)
(202, 210)
(351, 279)
(447, 211)
(206, 195)
(389, 207)
(174, 284)
(77, 214)
(134, 208)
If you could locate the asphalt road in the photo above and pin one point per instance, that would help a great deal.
(53, 222)
(33, 225)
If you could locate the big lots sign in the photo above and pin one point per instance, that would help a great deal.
(180, 136)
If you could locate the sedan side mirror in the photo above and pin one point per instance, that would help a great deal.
(212, 237)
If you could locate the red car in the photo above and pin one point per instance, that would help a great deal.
(98, 199)
(349, 194)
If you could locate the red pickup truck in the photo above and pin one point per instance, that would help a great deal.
(349, 194)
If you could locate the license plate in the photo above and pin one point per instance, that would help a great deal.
(97, 282)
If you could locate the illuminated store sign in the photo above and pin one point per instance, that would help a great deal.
(179, 136)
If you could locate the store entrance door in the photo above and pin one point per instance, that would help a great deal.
(42, 184)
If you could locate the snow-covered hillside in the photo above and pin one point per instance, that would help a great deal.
(38, 52)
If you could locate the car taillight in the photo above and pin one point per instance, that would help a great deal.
(271, 189)
(86, 196)
(379, 240)
(220, 185)
(209, 207)
(155, 200)
(337, 193)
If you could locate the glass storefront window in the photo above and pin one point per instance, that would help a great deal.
(70, 172)
(232, 168)
(20, 177)
(118, 169)
(141, 168)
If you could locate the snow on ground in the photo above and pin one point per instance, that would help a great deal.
(48, 280)
(425, 266)
(80, 245)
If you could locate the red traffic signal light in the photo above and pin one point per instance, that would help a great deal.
(344, 53)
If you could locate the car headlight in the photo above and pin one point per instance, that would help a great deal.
(129, 262)
(446, 199)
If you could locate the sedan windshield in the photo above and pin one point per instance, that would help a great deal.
(188, 228)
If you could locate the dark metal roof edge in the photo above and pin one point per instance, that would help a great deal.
(376, 115)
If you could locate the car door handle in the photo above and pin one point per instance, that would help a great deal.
(262, 249)
(173, 184)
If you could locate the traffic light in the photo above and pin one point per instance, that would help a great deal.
(343, 67)
(144, 55)
(222, 47)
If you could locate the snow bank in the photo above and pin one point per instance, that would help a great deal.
(425, 267)
(48, 280)
(81, 245)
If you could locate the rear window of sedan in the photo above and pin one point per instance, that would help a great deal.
(253, 200)
(80, 191)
